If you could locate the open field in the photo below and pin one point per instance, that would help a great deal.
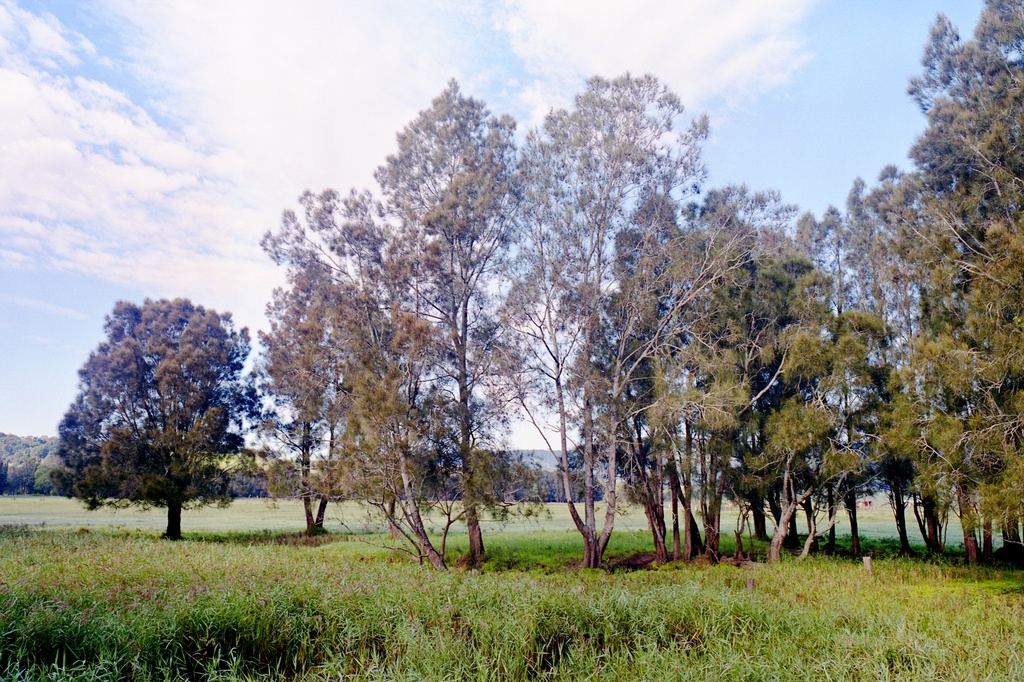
(246, 515)
(97, 595)
(106, 605)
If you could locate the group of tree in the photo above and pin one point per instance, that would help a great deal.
(25, 464)
(681, 343)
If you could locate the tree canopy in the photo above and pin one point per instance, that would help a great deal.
(160, 413)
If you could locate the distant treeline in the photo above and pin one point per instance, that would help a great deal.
(26, 463)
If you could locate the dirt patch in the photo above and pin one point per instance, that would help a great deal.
(641, 561)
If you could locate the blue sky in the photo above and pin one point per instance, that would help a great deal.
(145, 147)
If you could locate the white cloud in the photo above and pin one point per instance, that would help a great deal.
(166, 182)
(157, 154)
(704, 51)
(91, 183)
(241, 107)
(306, 95)
(43, 306)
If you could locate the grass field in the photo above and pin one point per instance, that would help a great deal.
(99, 596)
(114, 604)
(245, 515)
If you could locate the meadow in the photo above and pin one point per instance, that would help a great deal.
(245, 597)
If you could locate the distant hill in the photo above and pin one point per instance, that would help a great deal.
(18, 449)
(25, 463)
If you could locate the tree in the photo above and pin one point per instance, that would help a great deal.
(968, 373)
(605, 271)
(393, 430)
(724, 366)
(305, 372)
(453, 190)
(160, 414)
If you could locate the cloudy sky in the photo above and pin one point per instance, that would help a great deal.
(146, 146)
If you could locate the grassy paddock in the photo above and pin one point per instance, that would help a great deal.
(113, 604)
(246, 515)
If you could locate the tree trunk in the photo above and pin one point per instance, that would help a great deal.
(931, 514)
(986, 540)
(967, 523)
(476, 537)
(713, 519)
(419, 530)
(691, 537)
(647, 470)
(591, 559)
(393, 532)
(775, 506)
(610, 496)
(915, 498)
(696, 544)
(321, 513)
(658, 535)
(928, 522)
(673, 476)
(307, 508)
(173, 521)
(654, 510)
(899, 507)
(305, 474)
(830, 546)
(812, 538)
(850, 501)
(793, 536)
(760, 520)
(779, 538)
(790, 503)
(971, 548)
(563, 440)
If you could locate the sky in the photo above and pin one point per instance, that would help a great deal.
(145, 147)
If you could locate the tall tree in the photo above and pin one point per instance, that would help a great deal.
(452, 188)
(606, 270)
(305, 372)
(160, 412)
(970, 159)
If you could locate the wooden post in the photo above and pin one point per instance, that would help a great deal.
(868, 565)
(750, 584)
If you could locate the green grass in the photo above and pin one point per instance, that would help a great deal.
(286, 515)
(97, 596)
(112, 604)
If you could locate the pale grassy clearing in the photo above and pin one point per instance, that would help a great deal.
(285, 515)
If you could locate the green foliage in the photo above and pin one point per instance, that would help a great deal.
(20, 460)
(103, 606)
(16, 449)
(160, 410)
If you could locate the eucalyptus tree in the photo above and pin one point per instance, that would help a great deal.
(721, 369)
(376, 350)
(854, 374)
(607, 271)
(305, 373)
(161, 411)
(452, 189)
(587, 172)
(970, 159)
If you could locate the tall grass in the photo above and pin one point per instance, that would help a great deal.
(122, 606)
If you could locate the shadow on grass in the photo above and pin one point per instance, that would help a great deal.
(267, 537)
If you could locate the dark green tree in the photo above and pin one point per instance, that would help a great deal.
(161, 411)
(969, 376)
